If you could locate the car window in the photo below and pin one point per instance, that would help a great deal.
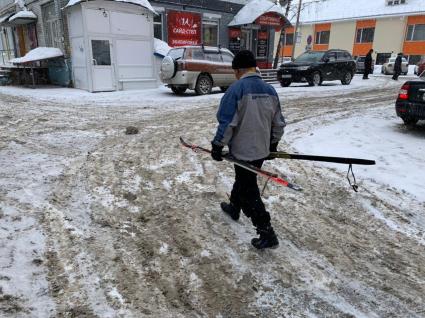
(227, 58)
(345, 56)
(212, 56)
(361, 59)
(176, 53)
(197, 54)
(310, 57)
(331, 56)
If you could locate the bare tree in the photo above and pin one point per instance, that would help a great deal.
(291, 11)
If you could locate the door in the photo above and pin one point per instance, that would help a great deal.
(246, 40)
(329, 68)
(101, 65)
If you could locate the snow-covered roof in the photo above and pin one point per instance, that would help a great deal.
(142, 3)
(5, 17)
(24, 14)
(40, 53)
(334, 10)
(255, 8)
(161, 48)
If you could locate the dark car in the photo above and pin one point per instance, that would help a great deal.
(410, 104)
(314, 67)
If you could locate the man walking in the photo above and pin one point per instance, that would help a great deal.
(397, 66)
(251, 124)
(367, 64)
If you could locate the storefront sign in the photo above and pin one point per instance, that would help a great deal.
(235, 40)
(184, 28)
(262, 43)
(270, 19)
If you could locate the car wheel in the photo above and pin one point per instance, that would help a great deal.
(178, 90)
(203, 85)
(224, 88)
(410, 121)
(285, 83)
(346, 80)
(316, 79)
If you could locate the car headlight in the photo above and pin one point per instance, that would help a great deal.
(303, 68)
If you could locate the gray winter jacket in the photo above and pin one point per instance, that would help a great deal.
(250, 118)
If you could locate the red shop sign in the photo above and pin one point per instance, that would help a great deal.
(184, 28)
(234, 33)
(270, 19)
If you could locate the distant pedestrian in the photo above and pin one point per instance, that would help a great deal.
(368, 64)
(251, 124)
(397, 66)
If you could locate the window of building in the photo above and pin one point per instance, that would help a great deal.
(101, 52)
(210, 33)
(52, 26)
(288, 39)
(365, 35)
(157, 27)
(415, 32)
(414, 59)
(322, 37)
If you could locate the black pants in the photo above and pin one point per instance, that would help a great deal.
(246, 195)
(396, 75)
(366, 72)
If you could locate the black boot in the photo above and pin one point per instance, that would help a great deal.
(267, 239)
(231, 210)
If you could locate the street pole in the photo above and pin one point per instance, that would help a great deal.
(296, 29)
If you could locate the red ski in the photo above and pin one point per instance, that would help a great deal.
(271, 176)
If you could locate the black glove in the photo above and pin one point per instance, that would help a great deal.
(273, 147)
(216, 152)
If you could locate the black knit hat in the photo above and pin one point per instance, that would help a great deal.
(244, 59)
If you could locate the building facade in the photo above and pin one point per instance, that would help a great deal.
(387, 26)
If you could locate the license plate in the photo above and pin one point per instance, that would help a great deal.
(286, 76)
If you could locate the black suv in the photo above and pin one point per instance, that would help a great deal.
(315, 67)
(410, 104)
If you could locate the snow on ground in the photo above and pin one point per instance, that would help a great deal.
(130, 226)
(378, 135)
(163, 94)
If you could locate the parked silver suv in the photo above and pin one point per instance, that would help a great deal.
(197, 67)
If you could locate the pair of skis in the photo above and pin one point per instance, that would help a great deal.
(274, 177)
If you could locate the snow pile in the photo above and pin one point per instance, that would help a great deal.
(378, 135)
(142, 3)
(161, 48)
(40, 53)
(24, 14)
(331, 10)
(250, 12)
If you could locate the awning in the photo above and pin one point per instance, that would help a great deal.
(38, 54)
(142, 3)
(256, 9)
(23, 17)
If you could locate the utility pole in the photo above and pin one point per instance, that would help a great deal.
(296, 28)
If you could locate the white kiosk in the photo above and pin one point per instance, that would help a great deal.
(111, 44)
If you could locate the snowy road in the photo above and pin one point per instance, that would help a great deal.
(96, 223)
